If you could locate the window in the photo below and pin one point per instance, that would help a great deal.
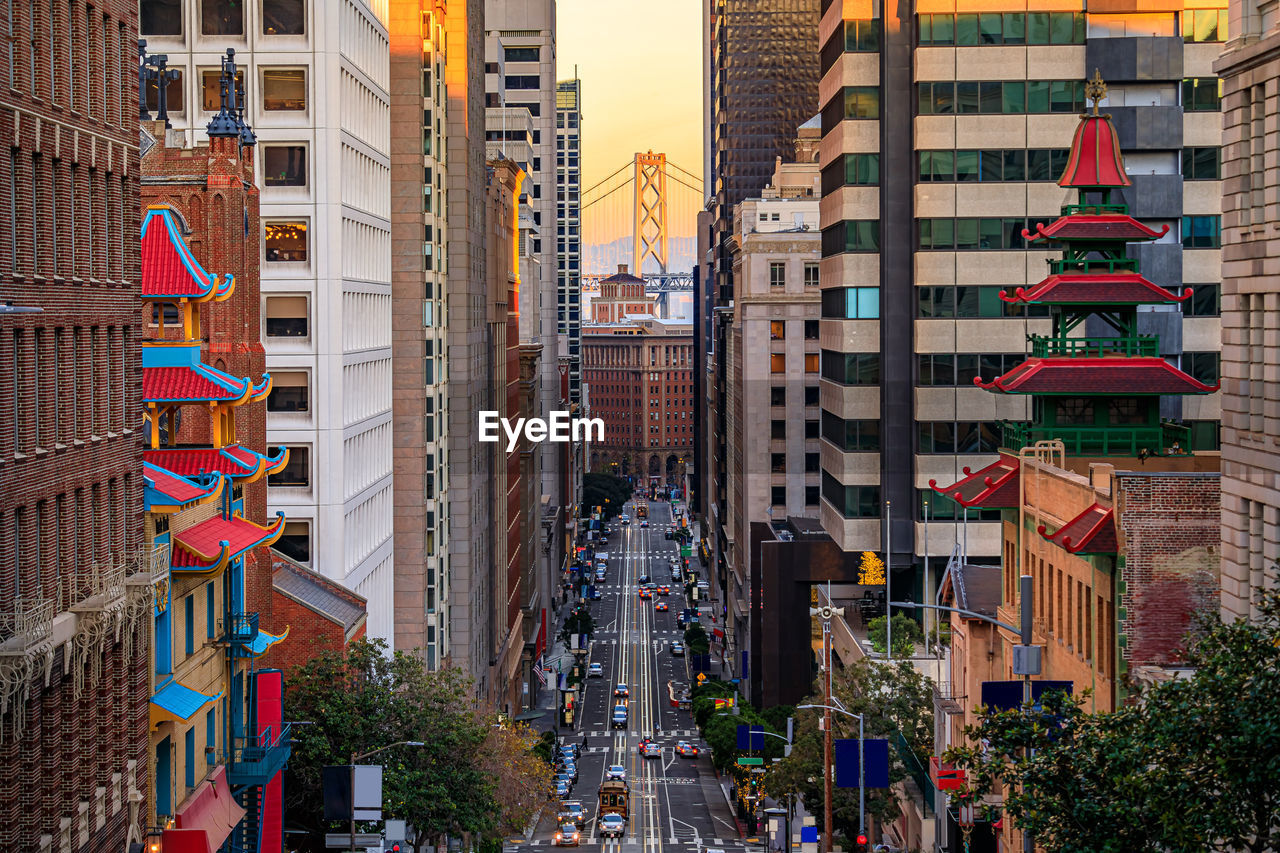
(285, 241)
(1205, 301)
(1201, 232)
(284, 17)
(852, 235)
(221, 17)
(1202, 164)
(777, 363)
(172, 92)
(853, 102)
(778, 463)
(777, 330)
(851, 303)
(811, 276)
(1204, 25)
(284, 89)
(851, 501)
(851, 368)
(286, 317)
(160, 18)
(851, 436)
(812, 429)
(1201, 94)
(778, 496)
(295, 541)
(777, 274)
(296, 472)
(777, 395)
(521, 54)
(810, 330)
(284, 165)
(289, 392)
(777, 429)
(1202, 366)
(811, 362)
(189, 624)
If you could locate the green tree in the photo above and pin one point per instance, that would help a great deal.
(893, 698)
(370, 699)
(906, 633)
(1192, 765)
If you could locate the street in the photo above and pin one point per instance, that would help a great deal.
(676, 803)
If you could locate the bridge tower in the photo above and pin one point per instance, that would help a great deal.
(650, 221)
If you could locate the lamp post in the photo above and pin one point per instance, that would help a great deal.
(826, 769)
(354, 759)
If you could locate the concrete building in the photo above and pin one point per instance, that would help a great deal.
(919, 238)
(75, 582)
(315, 77)
(1250, 68)
(772, 369)
(419, 224)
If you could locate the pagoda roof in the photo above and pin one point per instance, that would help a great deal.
(1095, 376)
(992, 487)
(174, 373)
(1118, 227)
(165, 491)
(211, 544)
(235, 461)
(1095, 288)
(1091, 532)
(1095, 161)
(169, 270)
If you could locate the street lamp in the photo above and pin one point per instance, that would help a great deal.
(354, 759)
(826, 771)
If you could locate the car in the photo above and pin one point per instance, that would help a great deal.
(572, 813)
(645, 592)
(677, 648)
(562, 788)
(621, 691)
(612, 825)
(615, 771)
(644, 523)
(686, 750)
(660, 607)
(595, 670)
(619, 720)
(651, 749)
(567, 836)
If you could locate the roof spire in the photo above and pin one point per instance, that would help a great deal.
(1095, 90)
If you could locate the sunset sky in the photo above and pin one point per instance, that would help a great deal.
(640, 62)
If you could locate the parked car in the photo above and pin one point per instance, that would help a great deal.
(595, 670)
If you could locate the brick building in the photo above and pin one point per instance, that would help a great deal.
(74, 582)
(639, 376)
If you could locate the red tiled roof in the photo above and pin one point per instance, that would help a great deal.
(1091, 532)
(1095, 159)
(993, 487)
(1087, 226)
(196, 382)
(168, 267)
(199, 544)
(234, 460)
(1112, 375)
(1096, 289)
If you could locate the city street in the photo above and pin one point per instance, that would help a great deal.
(676, 803)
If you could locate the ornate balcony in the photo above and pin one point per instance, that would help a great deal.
(1046, 347)
(256, 760)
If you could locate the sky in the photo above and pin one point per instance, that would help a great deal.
(640, 62)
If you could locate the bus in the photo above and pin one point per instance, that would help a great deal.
(615, 798)
(642, 510)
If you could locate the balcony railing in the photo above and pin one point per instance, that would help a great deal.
(1166, 439)
(256, 760)
(25, 623)
(242, 628)
(1142, 345)
(1069, 266)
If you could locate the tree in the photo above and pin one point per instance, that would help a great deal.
(893, 698)
(1192, 765)
(370, 699)
(906, 633)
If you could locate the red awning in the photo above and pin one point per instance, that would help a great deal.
(1091, 532)
(1095, 376)
(1095, 289)
(994, 487)
(209, 815)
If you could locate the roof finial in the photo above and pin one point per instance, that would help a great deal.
(1095, 90)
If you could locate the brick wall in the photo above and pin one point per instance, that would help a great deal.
(70, 452)
(1170, 532)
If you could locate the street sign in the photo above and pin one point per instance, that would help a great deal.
(750, 761)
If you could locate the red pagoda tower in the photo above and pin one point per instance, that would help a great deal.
(1099, 396)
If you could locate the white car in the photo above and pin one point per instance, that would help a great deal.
(612, 824)
(595, 670)
(615, 771)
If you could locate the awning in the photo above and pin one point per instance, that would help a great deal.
(205, 820)
(175, 702)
